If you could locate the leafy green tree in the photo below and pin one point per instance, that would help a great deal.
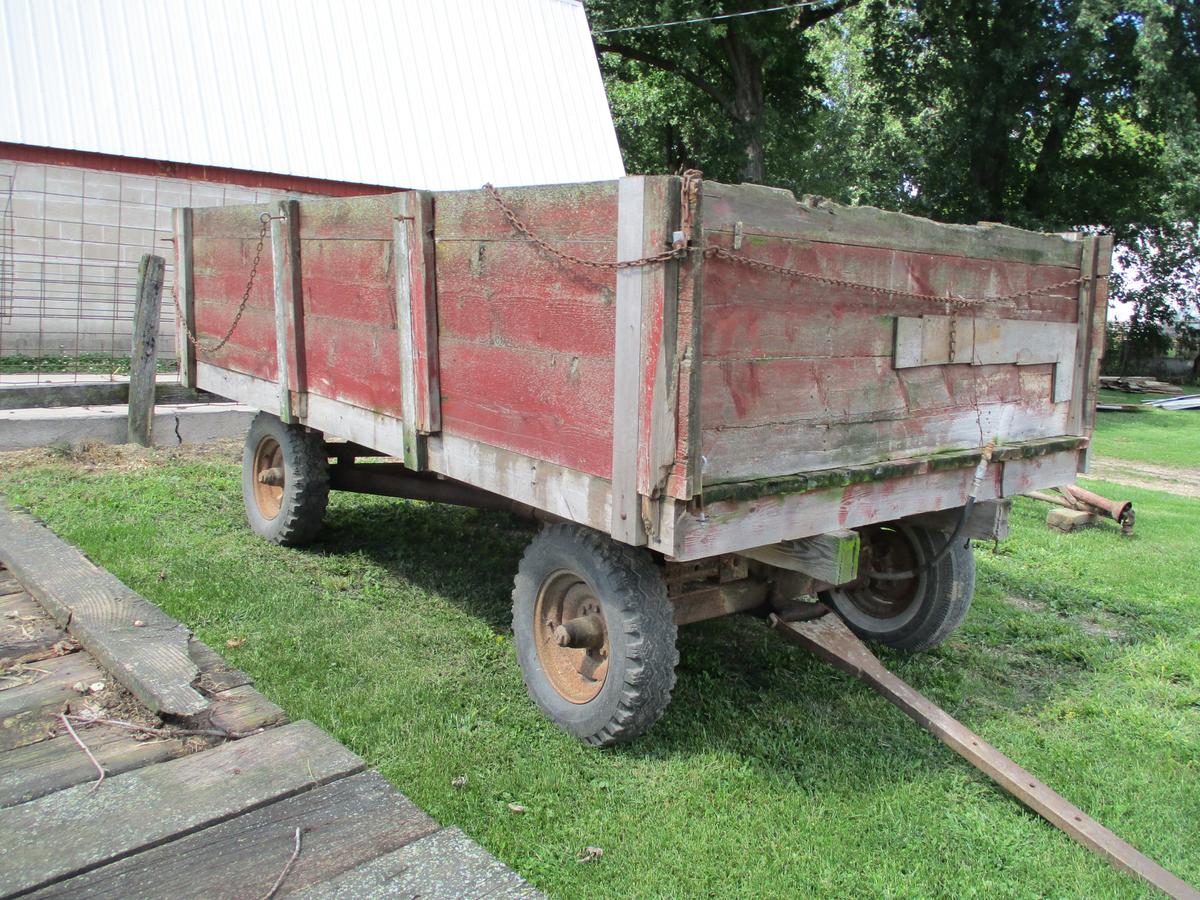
(719, 92)
(1047, 114)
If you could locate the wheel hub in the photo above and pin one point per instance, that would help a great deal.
(572, 637)
(268, 477)
(885, 550)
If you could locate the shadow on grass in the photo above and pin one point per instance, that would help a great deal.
(740, 690)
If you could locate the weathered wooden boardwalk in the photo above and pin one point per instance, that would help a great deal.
(213, 790)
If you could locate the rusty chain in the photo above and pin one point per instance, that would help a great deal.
(265, 219)
(677, 251)
(681, 248)
(722, 253)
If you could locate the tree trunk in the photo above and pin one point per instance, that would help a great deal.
(746, 71)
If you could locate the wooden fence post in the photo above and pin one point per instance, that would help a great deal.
(145, 333)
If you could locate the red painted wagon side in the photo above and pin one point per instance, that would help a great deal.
(793, 397)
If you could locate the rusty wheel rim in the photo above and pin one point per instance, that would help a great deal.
(268, 477)
(887, 550)
(568, 612)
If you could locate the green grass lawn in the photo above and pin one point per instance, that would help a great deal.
(1157, 436)
(770, 775)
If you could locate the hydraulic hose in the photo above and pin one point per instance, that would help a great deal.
(977, 482)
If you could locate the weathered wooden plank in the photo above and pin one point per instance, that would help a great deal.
(659, 371)
(771, 211)
(773, 450)
(185, 295)
(730, 526)
(563, 212)
(941, 340)
(404, 237)
(150, 659)
(36, 770)
(565, 492)
(215, 673)
(239, 222)
(830, 557)
(627, 524)
(1095, 332)
(27, 634)
(367, 218)
(344, 824)
(780, 296)
(78, 829)
(29, 711)
(445, 865)
(547, 393)
(347, 362)
(551, 405)
(423, 309)
(282, 298)
(684, 480)
(293, 303)
(347, 279)
(243, 709)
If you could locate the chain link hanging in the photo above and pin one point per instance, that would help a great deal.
(681, 248)
(265, 219)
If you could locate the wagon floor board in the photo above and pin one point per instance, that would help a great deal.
(29, 712)
(79, 828)
(443, 866)
(36, 770)
(343, 825)
(100, 612)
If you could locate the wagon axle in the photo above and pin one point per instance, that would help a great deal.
(584, 632)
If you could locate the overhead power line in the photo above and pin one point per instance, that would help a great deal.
(736, 15)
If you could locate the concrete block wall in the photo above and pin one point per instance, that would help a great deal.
(70, 243)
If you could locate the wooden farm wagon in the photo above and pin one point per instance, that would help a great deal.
(718, 398)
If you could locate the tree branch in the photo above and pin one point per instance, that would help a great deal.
(666, 65)
(814, 15)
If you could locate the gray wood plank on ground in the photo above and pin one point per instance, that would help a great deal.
(443, 866)
(151, 658)
(344, 824)
(29, 712)
(215, 673)
(26, 632)
(36, 770)
(243, 709)
(78, 829)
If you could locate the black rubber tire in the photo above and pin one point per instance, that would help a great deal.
(641, 632)
(305, 487)
(942, 597)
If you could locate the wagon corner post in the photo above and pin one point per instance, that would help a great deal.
(414, 253)
(142, 353)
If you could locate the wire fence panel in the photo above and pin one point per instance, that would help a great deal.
(70, 243)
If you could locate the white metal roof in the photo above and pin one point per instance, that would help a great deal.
(411, 93)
